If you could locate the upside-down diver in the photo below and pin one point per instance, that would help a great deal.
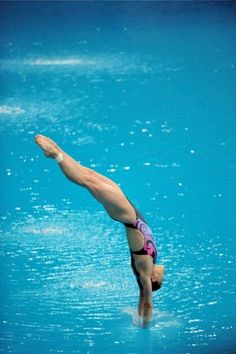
(143, 250)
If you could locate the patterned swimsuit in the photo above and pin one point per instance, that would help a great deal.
(148, 249)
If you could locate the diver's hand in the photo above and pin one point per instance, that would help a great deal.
(146, 323)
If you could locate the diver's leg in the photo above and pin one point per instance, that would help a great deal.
(102, 188)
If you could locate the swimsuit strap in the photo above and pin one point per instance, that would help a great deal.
(132, 226)
(140, 253)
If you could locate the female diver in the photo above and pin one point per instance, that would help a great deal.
(140, 238)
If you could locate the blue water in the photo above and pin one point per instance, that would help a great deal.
(145, 93)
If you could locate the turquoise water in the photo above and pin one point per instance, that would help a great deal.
(143, 92)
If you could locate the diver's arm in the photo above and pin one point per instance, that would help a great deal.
(147, 300)
(141, 303)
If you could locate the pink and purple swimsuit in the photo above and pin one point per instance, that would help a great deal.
(148, 249)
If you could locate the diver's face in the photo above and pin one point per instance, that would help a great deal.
(158, 273)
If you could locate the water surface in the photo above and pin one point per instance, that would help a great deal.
(143, 92)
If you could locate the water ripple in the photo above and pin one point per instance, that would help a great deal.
(57, 272)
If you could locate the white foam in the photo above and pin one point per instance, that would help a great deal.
(92, 285)
(98, 63)
(11, 110)
(59, 62)
(51, 230)
(84, 140)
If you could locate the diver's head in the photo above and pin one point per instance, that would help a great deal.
(157, 277)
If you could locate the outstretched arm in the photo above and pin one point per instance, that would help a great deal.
(146, 300)
(140, 303)
(144, 267)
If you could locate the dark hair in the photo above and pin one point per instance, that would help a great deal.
(156, 285)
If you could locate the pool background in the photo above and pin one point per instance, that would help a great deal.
(143, 92)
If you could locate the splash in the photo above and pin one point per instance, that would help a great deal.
(136, 319)
(160, 319)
